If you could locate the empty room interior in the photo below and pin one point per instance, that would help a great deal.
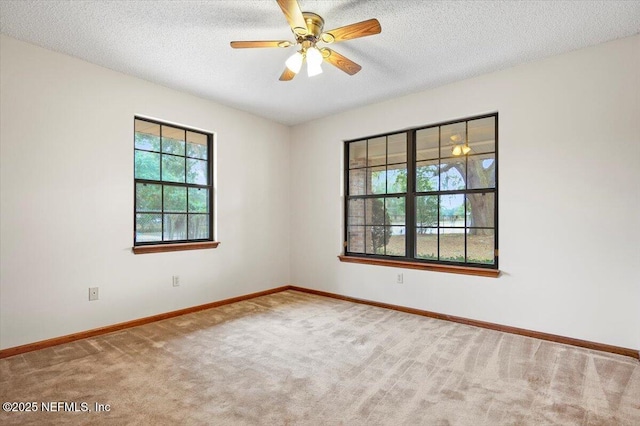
(320, 212)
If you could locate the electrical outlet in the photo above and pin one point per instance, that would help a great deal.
(93, 293)
(176, 281)
(399, 279)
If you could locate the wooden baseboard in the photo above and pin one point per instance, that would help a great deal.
(5, 353)
(633, 353)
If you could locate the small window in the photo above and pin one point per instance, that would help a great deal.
(173, 184)
(426, 195)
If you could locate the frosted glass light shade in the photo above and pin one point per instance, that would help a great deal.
(294, 63)
(466, 149)
(313, 69)
(457, 150)
(314, 57)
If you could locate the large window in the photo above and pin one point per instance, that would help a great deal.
(425, 195)
(173, 184)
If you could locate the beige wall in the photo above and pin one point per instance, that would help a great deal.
(569, 198)
(569, 202)
(67, 199)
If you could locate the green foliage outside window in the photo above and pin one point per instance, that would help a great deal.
(172, 191)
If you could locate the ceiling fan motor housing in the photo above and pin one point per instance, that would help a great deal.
(314, 22)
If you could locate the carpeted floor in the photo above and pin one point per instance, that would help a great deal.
(296, 359)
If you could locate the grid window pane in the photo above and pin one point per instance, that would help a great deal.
(481, 210)
(198, 226)
(172, 168)
(357, 181)
(175, 199)
(452, 210)
(175, 227)
(148, 197)
(198, 200)
(395, 241)
(427, 144)
(197, 145)
(452, 174)
(357, 154)
(427, 176)
(482, 136)
(395, 211)
(480, 246)
(396, 178)
(147, 165)
(355, 212)
(148, 227)
(427, 243)
(427, 210)
(375, 239)
(173, 140)
(481, 171)
(377, 151)
(197, 171)
(452, 135)
(377, 180)
(375, 213)
(147, 136)
(452, 245)
(397, 148)
(173, 146)
(355, 239)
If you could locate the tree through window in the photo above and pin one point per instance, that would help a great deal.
(427, 194)
(173, 184)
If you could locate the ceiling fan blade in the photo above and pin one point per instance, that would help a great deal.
(345, 64)
(292, 12)
(287, 75)
(360, 29)
(265, 43)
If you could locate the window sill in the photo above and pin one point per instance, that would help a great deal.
(161, 248)
(454, 269)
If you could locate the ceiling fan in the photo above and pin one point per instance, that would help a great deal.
(307, 27)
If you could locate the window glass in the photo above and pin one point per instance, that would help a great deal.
(446, 173)
(173, 191)
(428, 144)
(377, 151)
(397, 148)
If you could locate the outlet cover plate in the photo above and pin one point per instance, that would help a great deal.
(93, 293)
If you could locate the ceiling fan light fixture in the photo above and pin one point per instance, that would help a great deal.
(307, 27)
(313, 70)
(457, 150)
(466, 149)
(294, 63)
(314, 57)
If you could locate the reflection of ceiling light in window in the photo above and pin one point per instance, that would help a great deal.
(461, 149)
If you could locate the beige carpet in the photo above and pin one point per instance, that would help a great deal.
(295, 359)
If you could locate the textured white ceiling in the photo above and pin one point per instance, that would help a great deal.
(423, 44)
